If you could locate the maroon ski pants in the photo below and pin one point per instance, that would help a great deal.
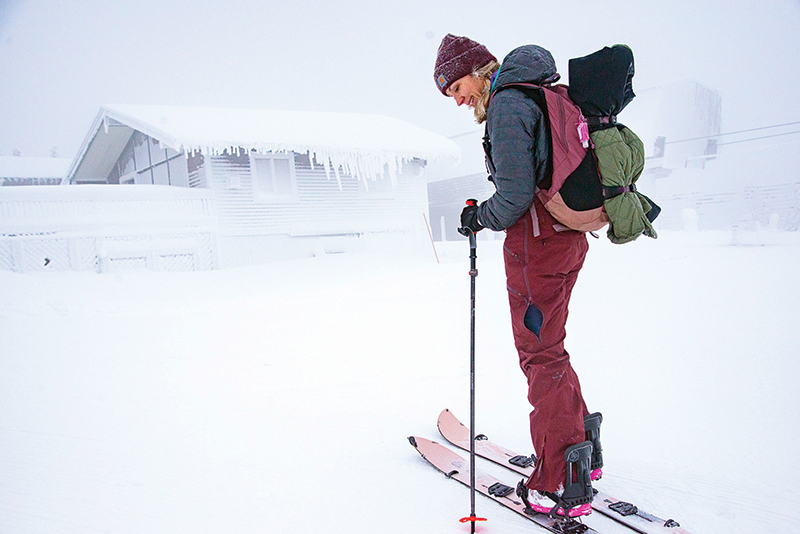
(541, 272)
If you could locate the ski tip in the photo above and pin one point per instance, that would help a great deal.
(445, 417)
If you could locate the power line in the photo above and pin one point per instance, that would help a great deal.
(756, 138)
(738, 132)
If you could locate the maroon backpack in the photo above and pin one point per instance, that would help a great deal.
(574, 192)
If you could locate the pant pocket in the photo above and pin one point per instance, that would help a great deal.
(534, 318)
(525, 311)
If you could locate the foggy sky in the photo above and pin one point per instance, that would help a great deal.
(60, 60)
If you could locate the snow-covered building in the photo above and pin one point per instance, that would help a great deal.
(18, 170)
(285, 183)
(450, 185)
(270, 184)
(678, 123)
(707, 178)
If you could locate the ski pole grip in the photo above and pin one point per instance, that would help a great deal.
(467, 231)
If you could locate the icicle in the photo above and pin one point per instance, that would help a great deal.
(327, 168)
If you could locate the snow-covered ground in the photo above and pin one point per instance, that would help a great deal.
(278, 398)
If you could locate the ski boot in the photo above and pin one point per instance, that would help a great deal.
(576, 498)
(591, 424)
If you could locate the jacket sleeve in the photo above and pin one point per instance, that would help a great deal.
(518, 155)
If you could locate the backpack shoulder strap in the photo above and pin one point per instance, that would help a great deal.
(536, 92)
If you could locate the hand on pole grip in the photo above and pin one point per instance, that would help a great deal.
(469, 218)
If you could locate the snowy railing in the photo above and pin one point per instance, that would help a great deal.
(69, 208)
(105, 227)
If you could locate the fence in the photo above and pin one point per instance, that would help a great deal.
(106, 228)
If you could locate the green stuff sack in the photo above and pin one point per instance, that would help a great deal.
(620, 161)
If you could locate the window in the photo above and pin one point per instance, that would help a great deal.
(141, 151)
(126, 165)
(177, 170)
(381, 184)
(273, 176)
(145, 161)
(158, 153)
(160, 174)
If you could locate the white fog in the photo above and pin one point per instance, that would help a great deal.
(214, 349)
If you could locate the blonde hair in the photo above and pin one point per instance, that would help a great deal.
(482, 104)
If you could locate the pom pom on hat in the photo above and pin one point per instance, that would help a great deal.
(457, 57)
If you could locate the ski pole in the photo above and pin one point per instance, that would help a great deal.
(473, 273)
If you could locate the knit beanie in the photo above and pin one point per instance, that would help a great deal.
(457, 57)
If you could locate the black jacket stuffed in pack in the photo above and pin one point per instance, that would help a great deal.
(518, 135)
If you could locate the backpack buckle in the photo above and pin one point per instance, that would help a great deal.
(597, 121)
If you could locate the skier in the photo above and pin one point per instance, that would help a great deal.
(542, 258)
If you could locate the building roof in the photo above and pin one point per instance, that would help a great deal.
(364, 145)
(25, 167)
(472, 158)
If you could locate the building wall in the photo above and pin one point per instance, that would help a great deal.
(747, 188)
(447, 200)
(676, 122)
(318, 203)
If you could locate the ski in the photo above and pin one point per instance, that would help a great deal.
(623, 512)
(455, 467)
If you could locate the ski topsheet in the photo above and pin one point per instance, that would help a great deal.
(623, 512)
(456, 467)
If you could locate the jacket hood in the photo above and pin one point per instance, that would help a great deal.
(529, 63)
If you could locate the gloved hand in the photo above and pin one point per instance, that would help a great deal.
(469, 217)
